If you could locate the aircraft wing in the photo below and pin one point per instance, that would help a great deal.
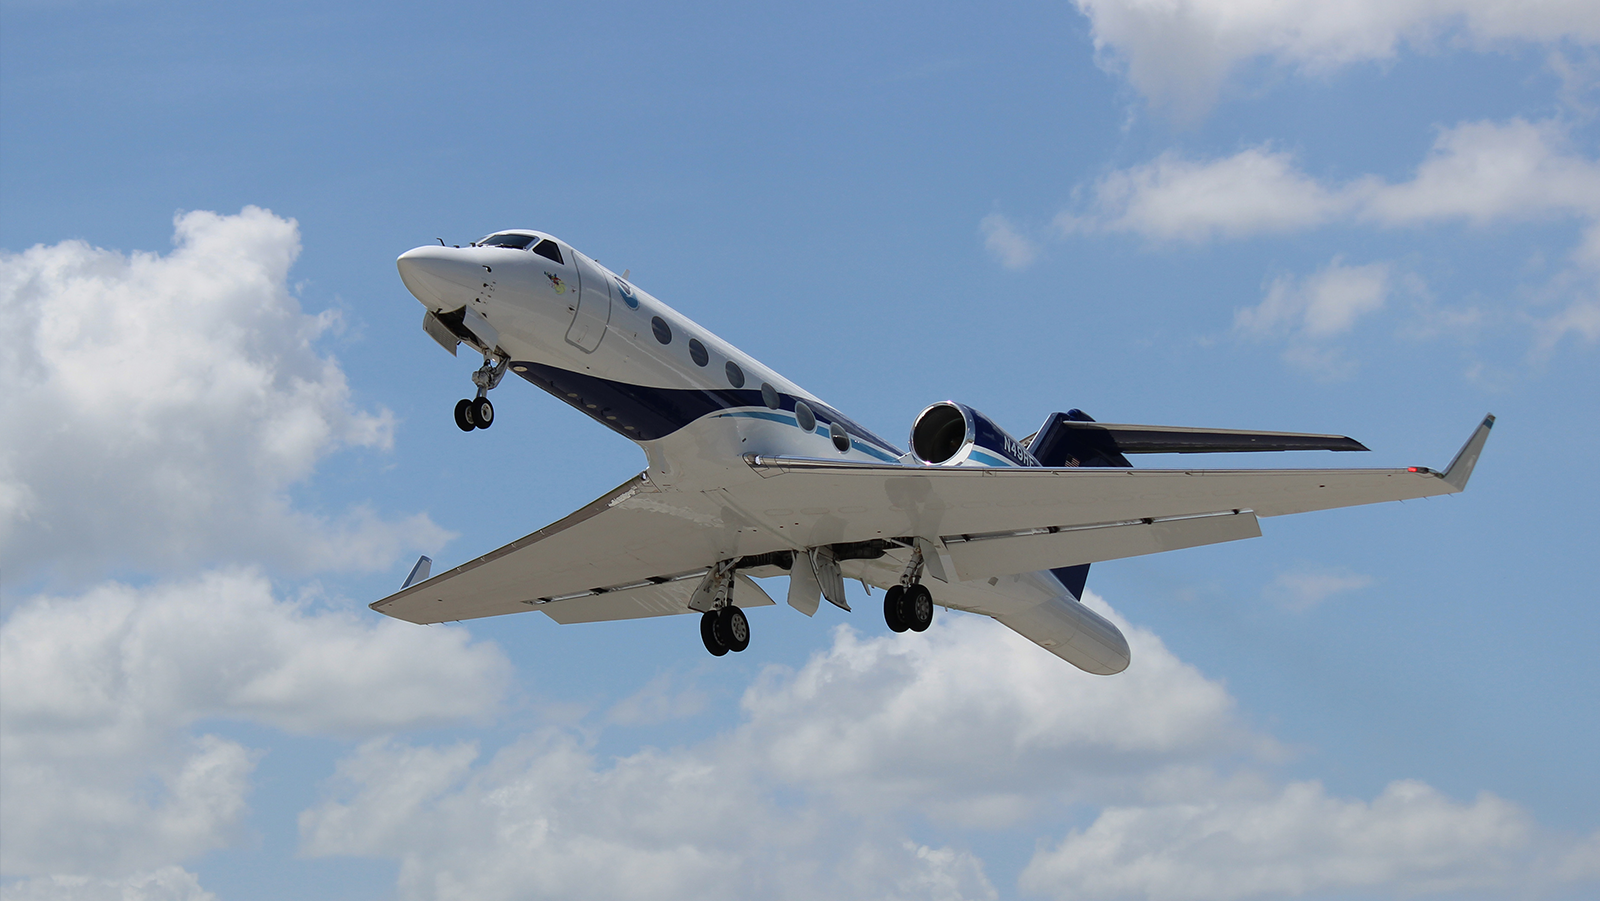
(637, 551)
(641, 549)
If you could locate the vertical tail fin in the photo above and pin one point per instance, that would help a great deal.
(1056, 445)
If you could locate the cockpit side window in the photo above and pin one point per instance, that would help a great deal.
(520, 242)
(550, 250)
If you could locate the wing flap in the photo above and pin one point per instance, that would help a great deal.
(639, 601)
(982, 556)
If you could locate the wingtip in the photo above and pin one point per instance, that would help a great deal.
(1460, 468)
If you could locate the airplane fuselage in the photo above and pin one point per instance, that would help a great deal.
(751, 475)
(696, 405)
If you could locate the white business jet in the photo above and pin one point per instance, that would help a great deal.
(751, 475)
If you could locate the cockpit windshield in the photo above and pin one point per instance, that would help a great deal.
(520, 242)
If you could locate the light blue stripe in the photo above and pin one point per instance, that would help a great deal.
(987, 458)
(856, 441)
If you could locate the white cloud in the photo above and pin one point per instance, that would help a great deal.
(662, 699)
(1484, 172)
(1178, 53)
(1325, 304)
(1302, 589)
(1171, 198)
(1291, 841)
(969, 721)
(158, 408)
(544, 819)
(97, 693)
(1477, 172)
(816, 794)
(1322, 306)
(1013, 249)
(165, 884)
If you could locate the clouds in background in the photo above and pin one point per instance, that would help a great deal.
(966, 724)
(164, 884)
(1305, 587)
(1476, 172)
(160, 407)
(1011, 247)
(99, 694)
(1293, 839)
(1179, 53)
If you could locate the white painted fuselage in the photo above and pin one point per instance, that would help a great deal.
(699, 407)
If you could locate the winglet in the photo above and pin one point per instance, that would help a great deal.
(1460, 468)
(419, 573)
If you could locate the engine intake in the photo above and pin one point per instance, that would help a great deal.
(952, 434)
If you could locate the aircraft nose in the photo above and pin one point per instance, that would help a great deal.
(440, 277)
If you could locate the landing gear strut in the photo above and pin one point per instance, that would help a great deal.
(478, 413)
(909, 605)
(723, 626)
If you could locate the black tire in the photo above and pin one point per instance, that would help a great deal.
(916, 608)
(482, 413)
(733, 628)
(464, 415)
(891, 608)
(708, 634)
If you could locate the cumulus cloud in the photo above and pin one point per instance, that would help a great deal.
(966, 722)
(814, 793)
(1013, 249)
(543, 818)
(1476, 172)
(1292, 840)
(1171, 198)
(164, 884)
(1178, 53)
(1324, 305)
(158, 408)
(888, 723)
(98, 693)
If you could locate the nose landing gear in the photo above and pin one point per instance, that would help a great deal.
(478, 413)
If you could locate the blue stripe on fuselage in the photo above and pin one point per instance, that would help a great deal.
(989, 459)
(644, 413)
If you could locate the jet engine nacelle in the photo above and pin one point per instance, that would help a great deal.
(952, 434)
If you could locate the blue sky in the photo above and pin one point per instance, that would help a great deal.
(222, 434)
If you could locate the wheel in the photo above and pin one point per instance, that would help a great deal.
(891, 608)
(916, 608)
(733, 629)
(708, 634)
(464, 415)
(482, 413)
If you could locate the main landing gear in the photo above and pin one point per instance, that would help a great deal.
(478, 413)
(724, 629)
(723, 626)
(908, 608)
(909, 605)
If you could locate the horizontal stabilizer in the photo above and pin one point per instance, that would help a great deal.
(1161, 439)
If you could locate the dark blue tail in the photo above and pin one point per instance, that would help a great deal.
(1056, 445)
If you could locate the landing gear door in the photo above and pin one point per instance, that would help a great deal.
(594, 305)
